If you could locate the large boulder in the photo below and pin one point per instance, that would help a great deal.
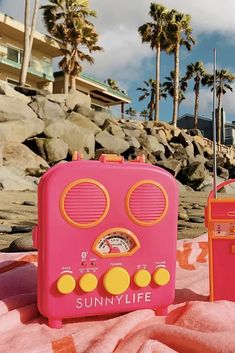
(81, 121)
(21, 157)
(12, 109)
(77, 98)
(47, 110)
(21, 130)
(56, 150)
(153, 145)
(193, 175)
(171, 165)
(112, 143)
(9, 91)
(77, 138)
(113, 128)
(11, 179)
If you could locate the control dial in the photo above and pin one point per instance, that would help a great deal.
(116, 242)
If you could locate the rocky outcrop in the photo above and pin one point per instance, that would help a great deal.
(37, 132)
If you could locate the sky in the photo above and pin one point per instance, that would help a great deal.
(129, 62)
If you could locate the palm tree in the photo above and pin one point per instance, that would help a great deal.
(28, 38)
(179, 33)
(196, 71)
(144, 114)
(114, 85)
(168, 87)
(149, 91)
(155, 34)
(222, 84)
(67, 21)
(131, 111)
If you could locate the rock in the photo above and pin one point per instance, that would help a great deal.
(12, 109)
(20, 156)
(196, 219)
(10, 180)
(114, 129)
(56, 149)
(193, 175)
(133, 142)
(171, 165)
(196, 206)
(153, 145)
(57, 98)
(99, 118)
(199, 140)
(24, 243)
(5, 229)
(77, 138)
(19, 131)
(77, 98)
(133, 132)
(183, 138)
(222, 172)
(81, 121)
(21, 229)
(183, 216)
(29, 203)
(9, 91)
(112, 143)
(47, 110)
(197, 148)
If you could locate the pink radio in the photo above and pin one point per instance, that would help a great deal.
(106, 238)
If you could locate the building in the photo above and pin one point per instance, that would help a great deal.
(205, 125)
(40, 72)
(103, 97)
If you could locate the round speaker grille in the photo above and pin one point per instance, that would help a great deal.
(147, 202)
(85, 203)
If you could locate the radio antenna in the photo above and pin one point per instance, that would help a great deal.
(214, 131)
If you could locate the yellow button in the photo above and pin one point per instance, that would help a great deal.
(142, 278)
(88, 282)
(161, 276)
(66, 284)
(116, 280)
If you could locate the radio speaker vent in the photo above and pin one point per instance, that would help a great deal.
(147, 203)
(85, 203)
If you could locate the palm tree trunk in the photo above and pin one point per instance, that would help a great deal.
(151, 105)
(73, 82)
(158, 53)
(219, 119)
(66, 82)
(26, 54)
(28, 39)
(196, 104)
(176, 86)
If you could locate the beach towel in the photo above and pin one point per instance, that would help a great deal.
(193, 324)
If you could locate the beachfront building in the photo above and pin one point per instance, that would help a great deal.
(205, 125)
(103, 97)
(40, 71)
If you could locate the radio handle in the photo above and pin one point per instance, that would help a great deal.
(104, 158)
(220, 186)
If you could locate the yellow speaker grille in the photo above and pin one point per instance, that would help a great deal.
(85, 203)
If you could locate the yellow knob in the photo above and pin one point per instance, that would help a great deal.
(161, 276)
(66, 284)
(116, 280)
(142, 278)
(88, 282)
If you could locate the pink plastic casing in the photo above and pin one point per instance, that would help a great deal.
(62, 247)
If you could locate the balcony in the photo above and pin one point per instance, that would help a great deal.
(12, 56)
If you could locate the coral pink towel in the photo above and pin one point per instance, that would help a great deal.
(193, 324)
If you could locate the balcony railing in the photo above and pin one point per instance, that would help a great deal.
(39, 67)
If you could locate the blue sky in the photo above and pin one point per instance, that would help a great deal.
(128, 61)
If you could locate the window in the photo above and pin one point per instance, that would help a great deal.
(14, 54)
(228, 132)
